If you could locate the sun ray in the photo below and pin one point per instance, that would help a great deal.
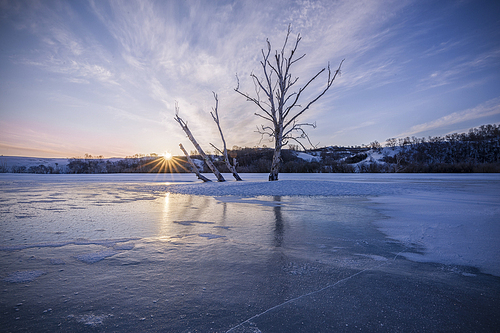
(166, 164)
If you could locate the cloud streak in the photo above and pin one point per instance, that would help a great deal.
(488, 109)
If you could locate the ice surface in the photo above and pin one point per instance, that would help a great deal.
(452, 217)
(459, 227)
(170, 253)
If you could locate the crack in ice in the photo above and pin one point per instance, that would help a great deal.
(309, 294)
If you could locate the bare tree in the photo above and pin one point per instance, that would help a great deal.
(280, 106)
(193, 166)
(215, 116)
(207, 160)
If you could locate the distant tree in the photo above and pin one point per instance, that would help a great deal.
(391, 142)
(280, 106)
(3, 167)
(375, 145)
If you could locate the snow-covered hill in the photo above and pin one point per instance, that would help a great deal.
(9, 163)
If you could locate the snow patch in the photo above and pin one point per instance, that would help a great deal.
(199, 163)
(192, 222)
(210, 236)
(23, 276)
(306, 157)
(123, 247)
(247, 189)
(91, 258)
(104, 242)
(91, 319)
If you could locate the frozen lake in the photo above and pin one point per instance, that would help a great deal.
(311, 252)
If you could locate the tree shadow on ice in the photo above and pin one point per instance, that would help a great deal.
(278, 227)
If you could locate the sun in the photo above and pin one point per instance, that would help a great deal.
(166, 163)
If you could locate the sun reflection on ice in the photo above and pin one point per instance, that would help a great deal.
(165, 224)
(166, 203)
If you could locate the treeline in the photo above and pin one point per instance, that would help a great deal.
(40, 169)
(478, 150)
(255, 160)
(475, 151)
(131, 164)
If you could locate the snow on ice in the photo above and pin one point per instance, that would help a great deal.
(23, 276)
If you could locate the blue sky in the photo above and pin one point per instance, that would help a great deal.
(102, 77)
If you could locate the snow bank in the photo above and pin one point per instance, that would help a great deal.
(290, 187)
(319, 184)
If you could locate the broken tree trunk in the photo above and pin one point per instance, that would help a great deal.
(215, 116)
(184, 126)
(193, 166)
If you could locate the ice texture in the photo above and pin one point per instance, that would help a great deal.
(451, 217)
(456, 227)
(314, 252)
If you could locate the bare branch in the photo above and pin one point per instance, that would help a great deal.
(266, 118)
(328, 85)
(220, 151)
(282, 108)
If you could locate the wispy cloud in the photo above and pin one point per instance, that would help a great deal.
(459, 68)
(489, 108)
(132, 60)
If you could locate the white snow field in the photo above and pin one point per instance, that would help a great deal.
(310, 252)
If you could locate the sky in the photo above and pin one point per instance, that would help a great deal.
(103, 77)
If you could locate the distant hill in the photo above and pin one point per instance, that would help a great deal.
(23, 164)
(478, 150)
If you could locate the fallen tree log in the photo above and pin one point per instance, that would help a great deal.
(207, 160)
(193, 166)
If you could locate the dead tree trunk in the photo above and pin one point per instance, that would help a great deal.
(184, 126)
(193, 166)
(279, 105)
(273, 174)
(215, 116)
